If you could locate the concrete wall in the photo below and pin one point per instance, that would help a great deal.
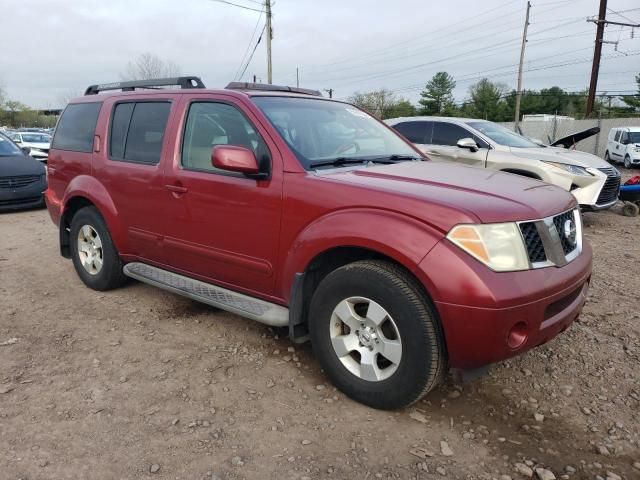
(547, 131)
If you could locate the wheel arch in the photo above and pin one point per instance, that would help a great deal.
(85, 191)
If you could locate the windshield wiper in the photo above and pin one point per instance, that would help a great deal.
(340, 161)
(397, 157)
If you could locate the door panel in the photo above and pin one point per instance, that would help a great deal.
(220, 225)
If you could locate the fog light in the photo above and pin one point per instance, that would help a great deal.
(517, 335)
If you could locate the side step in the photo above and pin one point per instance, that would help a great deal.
(243, 305)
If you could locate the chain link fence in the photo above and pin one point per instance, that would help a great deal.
(550, 130)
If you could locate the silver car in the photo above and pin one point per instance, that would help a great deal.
(480, 143)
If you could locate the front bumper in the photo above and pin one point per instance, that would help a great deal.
(30, 196)
(488, 317)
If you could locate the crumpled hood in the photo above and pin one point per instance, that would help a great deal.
(20, 165)
(460, 193)
(561, 155)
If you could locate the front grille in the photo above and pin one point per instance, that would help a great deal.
(533, 242)
(18, 181)
(19, 201)
(611, 187)
(559, 221)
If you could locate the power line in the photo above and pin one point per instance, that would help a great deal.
(244, 57)
(252, 53)
(238, 5)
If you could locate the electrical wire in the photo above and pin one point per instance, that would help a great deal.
(252, 53)
(244, 57)
(237, 5)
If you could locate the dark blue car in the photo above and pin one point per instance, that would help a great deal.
(23, 179)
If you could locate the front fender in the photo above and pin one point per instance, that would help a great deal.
(88, 187)
(400, 237)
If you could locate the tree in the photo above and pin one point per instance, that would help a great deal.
(383, 104)
(487, 101)
(437, 96)
(634, 101)
(148, 66)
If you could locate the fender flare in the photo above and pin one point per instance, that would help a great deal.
(88, 187)
(400, 237)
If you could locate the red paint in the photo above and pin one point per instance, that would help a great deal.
(255, 234)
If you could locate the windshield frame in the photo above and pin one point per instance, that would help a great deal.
(405, 149)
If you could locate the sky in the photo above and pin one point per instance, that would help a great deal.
(54, 49)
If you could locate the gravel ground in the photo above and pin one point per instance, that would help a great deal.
(139, 383)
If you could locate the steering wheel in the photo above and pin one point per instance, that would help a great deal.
(345, 147)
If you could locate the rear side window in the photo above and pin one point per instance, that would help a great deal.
(617, 136)
(416, 132)
(77, 127)
(137, 131)
(448, 134)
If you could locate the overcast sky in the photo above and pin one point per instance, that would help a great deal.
(51, 48)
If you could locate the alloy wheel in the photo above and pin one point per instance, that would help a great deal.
(90, 249)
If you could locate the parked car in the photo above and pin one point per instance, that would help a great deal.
(22, 179)
(38, 143)
(480, 143)
(303, 212)
(623, 146)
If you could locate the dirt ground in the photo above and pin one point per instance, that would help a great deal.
(139, 383)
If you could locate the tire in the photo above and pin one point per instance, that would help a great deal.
(607, 158)
(630, 209)
(94, 255)
(627, 161)
(409, 372)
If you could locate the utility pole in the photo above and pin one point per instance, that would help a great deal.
(597, 52)
(601, 21)
(524, 44)
(297, 78)
(267, 4)
(329, 91)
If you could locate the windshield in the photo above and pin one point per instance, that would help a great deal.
(36, 138)
(8, 148)
(634, 137)
(319, 130)
(502, 135)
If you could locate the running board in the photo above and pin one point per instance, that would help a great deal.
(243, 305)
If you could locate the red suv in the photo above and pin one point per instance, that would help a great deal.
(303, 212)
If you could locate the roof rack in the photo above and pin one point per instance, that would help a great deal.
(271, 88)
(183, 82)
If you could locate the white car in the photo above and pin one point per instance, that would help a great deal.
(623, 146)
(38, 143)
(480, 143)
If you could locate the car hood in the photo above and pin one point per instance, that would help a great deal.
(462, 193)
(561, 155)
(36, 145)
(20, 165)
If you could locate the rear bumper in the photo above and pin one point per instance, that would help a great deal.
(23, 198)
(488, 317)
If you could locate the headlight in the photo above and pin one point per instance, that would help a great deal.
(576, 170)
(499, 245)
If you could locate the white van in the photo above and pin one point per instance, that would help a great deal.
(623, 145)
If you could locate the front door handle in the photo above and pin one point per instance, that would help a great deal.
(179, 189)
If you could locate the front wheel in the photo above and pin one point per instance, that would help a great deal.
(94, 255)
(376, 335)
(607, 158)
(627, 161)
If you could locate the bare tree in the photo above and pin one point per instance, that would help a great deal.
(65, 97)
(382, 103)
(148, 66)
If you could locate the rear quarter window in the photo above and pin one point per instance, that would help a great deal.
(76, 127)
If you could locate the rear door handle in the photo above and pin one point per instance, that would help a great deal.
(177, 189)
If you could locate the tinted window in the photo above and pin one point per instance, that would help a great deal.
(76, 127)
(8, 148)
(448, 134)
(210, 124)
(416, 132)
(137, 131)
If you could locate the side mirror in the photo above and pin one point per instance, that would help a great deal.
(235, 159)
(468, 143)
(25, 150)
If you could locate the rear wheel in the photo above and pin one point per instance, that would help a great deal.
(94, 255)
(376, 335)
